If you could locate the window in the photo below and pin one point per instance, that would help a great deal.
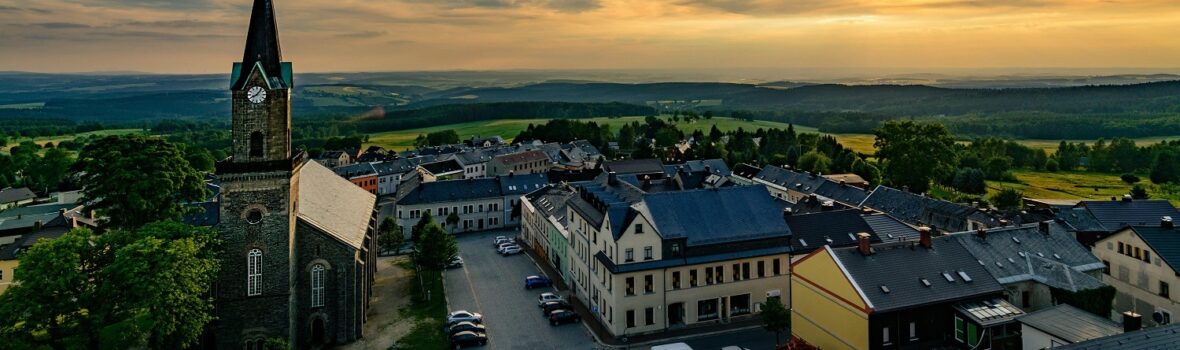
(885, 336)
(649, 316)
(1147, 256)
(675, 279)
(692, 278)
(776, 268)
(960, 329)
(675, 249)
(1137, 253)
(649, 285)
(647, 253)
(708, 276)
(720, 274)
(1106, 269)
(256, 148)
(1121, 248)
(1164, 290)
(317, 285)
(913, 331)
(254, 272)
(638, 228)
(745, 270)
(737, 272)
(761, 269)
(630, 285)
(630, 255)
(630, 318)
(1, 275)
(254, 216)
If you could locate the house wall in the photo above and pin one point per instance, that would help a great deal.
(15, 204)
(489, 211)
(781, 192)
(474, 171)
(1138, 282)
(7, 269)
(368, 183)
(534, 228)
(1035, 339)
(1039, 295)
(827, 311)
(387, 184)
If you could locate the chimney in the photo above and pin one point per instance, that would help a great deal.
(786, 212)
(1132, 321)
(866, 211)
(612, 178)
(1166, 222)
(975, 204)
(1043, 226)
(981, 232)
(1126, 198)
(1003, 223)
(862, 244)
(37, 225)
(827, 206)
(708, 169)
(924, 236)
(843, 184)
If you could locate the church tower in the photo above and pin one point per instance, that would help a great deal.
(255, 291)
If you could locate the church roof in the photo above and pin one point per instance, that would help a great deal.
(262, 47)
(334, 205)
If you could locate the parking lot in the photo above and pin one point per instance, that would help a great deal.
(493, 285)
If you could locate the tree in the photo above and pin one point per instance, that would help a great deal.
(1165, 169)
(775, 318)
(1138, 192)
(914, 153)
(145, 288)
(1129, 178)
(133, 180)
(1051, 165)
(445, 137)
(969, 180)
(436, 248)
(996, 168)
(416, 231)
(200, 159)
(391, 237)
(453, 221)
(48, 173)
(815, 162)
(1008, 199)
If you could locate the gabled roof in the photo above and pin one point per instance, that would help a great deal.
(352, 171)
(587, 148)
(889, 229)
(635, 166)
(452, 191)
(1024, 253)
(920, 210)
(334, 205)
(1162, 337)
(443, 167)
(1164, 241)
(795, 181)
(716, 216)
(1116, 214)
(400, 166)
(834, 228)
(1080, 219)
(524, 157)
(715, 166)
(902, 267)
(12, 195)
(843, 193)
(746, 171)
(262, 47)
(473, 157)
(1071, 324)
(551, 201)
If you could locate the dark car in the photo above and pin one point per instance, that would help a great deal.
(531, 282)
(468, 339)
(561, 317)
(551, 306)
(467, 327)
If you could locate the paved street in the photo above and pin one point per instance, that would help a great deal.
(494, 286)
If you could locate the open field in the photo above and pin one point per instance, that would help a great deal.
(1050, 146)
(1075, 185)
(56, 139)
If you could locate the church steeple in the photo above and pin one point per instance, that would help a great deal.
(262, 46)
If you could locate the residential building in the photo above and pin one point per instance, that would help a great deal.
(484, 142)
(391, 174)
(919, 210)
(480, 204)
(449, 169)
(840, 228)
(544, 218)
(648, 262)
(332, 159)
(1031, 260)
(743, 174)
(528, 162)
(363, 175)
(1141, 263)
(1117, 213)
(474, 162)
(513, 187)
(1062, 325)
(15, 197)
(10, 252)
(788, 185)
(925, 294)
(1166, 337)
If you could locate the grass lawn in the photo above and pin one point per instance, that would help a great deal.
(1075, 185)
(1050, 146)
(430, 314)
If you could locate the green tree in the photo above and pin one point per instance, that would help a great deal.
(1129, 178)
(200, 159)
(416, 230)
(436, 248)
(1165, 169)
(996, 168)
(1008, 199)
(276, 343)
(815, 162)
(1138, 192)
(445, 137)
(391, 237)
(453, 221)
(1051, 165)
(775, 318)
(133, 180)
(914, 153)
(969, 180)
(147, 287)
(49, 172)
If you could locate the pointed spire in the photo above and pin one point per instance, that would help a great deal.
(262, 43)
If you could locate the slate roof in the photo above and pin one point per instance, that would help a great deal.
(473, 157)
(746, 171)
(523, 157)
(1071, 324)
(12, 195)
(1080, 220)
(1155, 338)
(1164, 241)
(587, 148)
(901, 267)
(694, 215)
(846, 194)
(920, 210)
(1023, 253)
(27, 217)
(332, 154)
(889, 229)
(443, 167)
(1116, 214)
(401, 166)
(835, 228)
(262, 45)
(26, 241)
(521, 184)
(796, 181)
(596, 203)
(452, 191)
(353, 171)
(815, 204)
(552, 201)
(635, 166)
(716, 166)
(206, 214)
(334, 205)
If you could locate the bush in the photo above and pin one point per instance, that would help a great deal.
(1129, 178)
(1051, 165)
(969, 180)
(1008, 199)
(1138, 192)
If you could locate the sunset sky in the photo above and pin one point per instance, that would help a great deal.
(204, 36)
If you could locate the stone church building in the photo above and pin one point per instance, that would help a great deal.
(298, 249)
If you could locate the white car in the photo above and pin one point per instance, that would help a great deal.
(456, 262)
(547, 297)
(501, 240)
(511, 250)
(501, 247)
(463, 316)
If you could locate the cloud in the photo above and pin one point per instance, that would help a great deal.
(60, 25)
(559, 5)
(157, 4)
(5, 8)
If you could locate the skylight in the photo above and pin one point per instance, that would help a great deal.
(925, 282)
(1012, 260)
(1017, 240)
(964, 276)
(1021, 254)
(948, 277)
(802, 242)
(884, 289)
(850, 236)
(1001, 265)
(1058, 257)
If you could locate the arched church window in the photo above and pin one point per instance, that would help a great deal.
(256, 144)
(254, 272)
(317, 285)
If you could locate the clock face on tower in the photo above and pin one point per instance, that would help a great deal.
(256, 94)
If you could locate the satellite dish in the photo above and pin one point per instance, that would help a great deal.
(1160, 318)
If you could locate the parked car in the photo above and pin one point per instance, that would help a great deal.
(531, 282)
(468, 339)
(466, 326)
(456, 262)
(547, 297)
(550, 306)
(511, 250)
(502, 246)
(501, 240)
(463, 316)
(563, 316)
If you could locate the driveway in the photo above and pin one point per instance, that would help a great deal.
(493, 285)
